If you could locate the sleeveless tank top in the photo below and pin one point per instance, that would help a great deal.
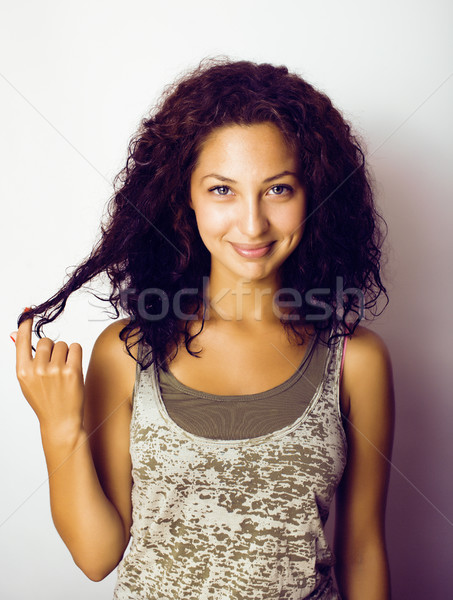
(232, 519)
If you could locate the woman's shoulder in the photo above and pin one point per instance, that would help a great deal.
(367, 365)
(364, 344)
(110, 358)
(110, 342)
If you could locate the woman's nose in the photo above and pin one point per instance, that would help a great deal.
(253, 221)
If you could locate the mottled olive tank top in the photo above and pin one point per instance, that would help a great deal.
(233, 519)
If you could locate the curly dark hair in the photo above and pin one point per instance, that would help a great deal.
(151, 240)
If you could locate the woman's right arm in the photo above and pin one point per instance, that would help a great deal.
(85, 436)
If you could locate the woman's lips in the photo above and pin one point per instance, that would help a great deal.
(253, 251)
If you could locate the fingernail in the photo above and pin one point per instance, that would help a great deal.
(27, 309)
(13, 336)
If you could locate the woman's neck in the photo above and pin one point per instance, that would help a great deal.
(241, 301)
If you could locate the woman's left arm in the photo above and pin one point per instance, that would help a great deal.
(367, 396)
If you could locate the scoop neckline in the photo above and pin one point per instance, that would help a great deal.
(232, 443)
(292, 379)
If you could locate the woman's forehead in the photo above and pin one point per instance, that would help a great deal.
(238, 143)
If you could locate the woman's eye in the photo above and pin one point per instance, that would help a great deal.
(220, 190)
(279, 190)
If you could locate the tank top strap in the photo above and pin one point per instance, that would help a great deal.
(333, 371)
(141, 353)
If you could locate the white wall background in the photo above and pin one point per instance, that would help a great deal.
(75, 79)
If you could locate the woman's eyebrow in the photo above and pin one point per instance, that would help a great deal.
(223, 178)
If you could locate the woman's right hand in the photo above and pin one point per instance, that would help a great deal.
(51, 381)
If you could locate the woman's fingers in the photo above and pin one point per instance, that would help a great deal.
(74, 358)
(46, 350)
(43, 352)
(52, 381)
(59, 353)
(23, 344)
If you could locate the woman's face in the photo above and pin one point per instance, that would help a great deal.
(248, 201)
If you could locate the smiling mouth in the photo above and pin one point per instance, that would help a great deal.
(253, 251)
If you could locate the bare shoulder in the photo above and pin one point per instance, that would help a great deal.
(367, 367)
(109, 339)
(365, 347)
(110, 358)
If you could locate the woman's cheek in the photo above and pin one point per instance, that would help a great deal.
(214, 221)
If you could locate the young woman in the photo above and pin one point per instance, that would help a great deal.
(217, 420)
